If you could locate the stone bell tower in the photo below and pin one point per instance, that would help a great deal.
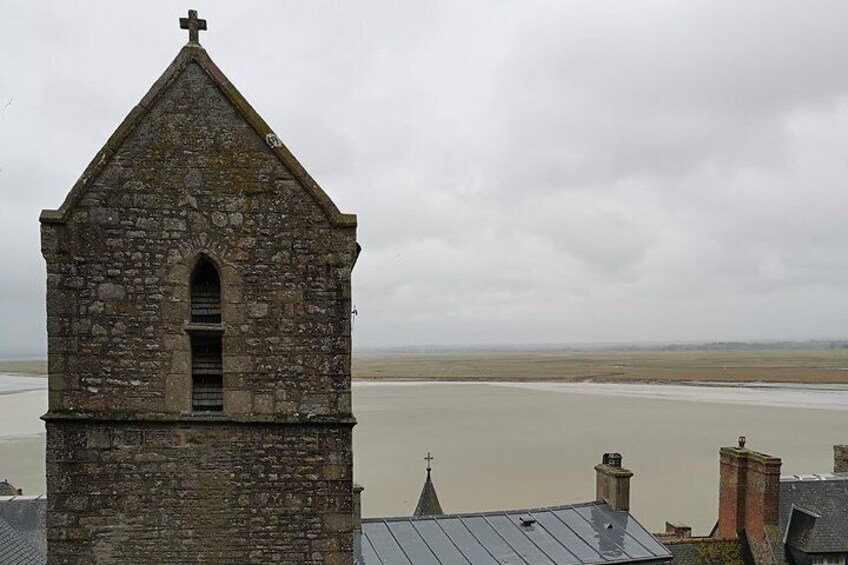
(198, 310)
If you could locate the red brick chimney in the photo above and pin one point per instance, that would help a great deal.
(749, 484)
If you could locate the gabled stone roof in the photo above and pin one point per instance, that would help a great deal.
(193, 52)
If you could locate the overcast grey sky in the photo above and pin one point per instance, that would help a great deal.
(523, 172)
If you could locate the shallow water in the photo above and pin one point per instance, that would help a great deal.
(514, 445)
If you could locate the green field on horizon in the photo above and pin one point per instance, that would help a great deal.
(768, 365)
(772, 365)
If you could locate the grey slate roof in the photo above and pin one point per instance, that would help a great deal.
(23, 523)
(15, 550)
(575, 535)
(819, 522)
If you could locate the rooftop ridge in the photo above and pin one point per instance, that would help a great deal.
(492, 512)
(809, 477)
(23, 497)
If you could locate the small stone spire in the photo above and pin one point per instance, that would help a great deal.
(428, 502)
(194, 25)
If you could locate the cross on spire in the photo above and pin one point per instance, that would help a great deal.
(428, 459)
(193, 25)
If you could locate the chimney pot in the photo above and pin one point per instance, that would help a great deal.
(611, 459)
(612, 482)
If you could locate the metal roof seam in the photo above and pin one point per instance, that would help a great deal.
(578, 536)
(603, 533)
(447, 535)
(522, 530)
(402, 550)
(427, 545)
(494, 529)
(585, 534)
(555, 538)
(631, 536)
(480, 543)
(377, 555)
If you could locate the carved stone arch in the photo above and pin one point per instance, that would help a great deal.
(205, 290)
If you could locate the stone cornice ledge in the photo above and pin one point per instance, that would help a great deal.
(201, 418)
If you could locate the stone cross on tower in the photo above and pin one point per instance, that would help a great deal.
(428, 459)
(193, 25)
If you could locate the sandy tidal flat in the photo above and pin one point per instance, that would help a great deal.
(772, 365)
(23, 399)
(516, 445)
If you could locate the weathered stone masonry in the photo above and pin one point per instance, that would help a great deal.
(133, 475)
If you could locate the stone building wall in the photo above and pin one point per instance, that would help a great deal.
(840, 458)
(189, 493)
(194, 178)
(133, 475)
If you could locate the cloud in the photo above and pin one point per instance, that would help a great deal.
(522, 172)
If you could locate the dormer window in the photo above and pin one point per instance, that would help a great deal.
(207, 367)
(205, 294)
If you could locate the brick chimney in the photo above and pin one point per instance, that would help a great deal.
(840, 458)
(613, 482)
(749, 484)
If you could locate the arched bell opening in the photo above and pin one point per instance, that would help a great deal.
(207, 366)
(205, 293)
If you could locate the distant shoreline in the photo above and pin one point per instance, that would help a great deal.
(824, 365)
(802, 366)
(25, 368)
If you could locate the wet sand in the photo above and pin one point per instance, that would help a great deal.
(22, 401)
(22, 463)
(794, 365)
(513, 445)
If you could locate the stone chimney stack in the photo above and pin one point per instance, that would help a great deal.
(678, 530)
(357, 507)
(613, 482)
(840, 458)
(749, 484)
